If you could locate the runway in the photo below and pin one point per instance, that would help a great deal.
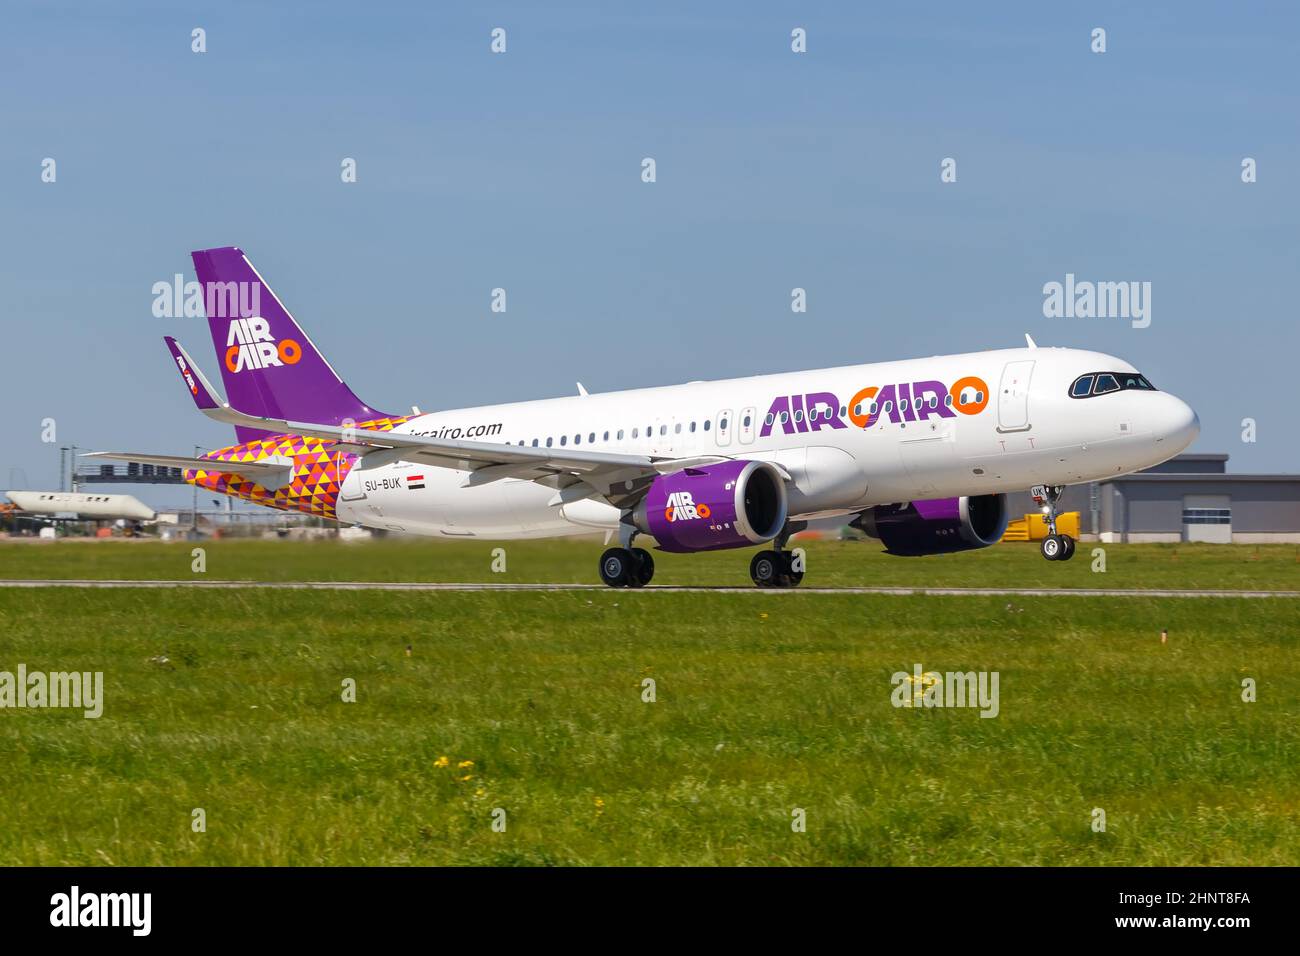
(502, 586)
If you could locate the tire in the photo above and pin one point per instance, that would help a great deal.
(790, 577)
(644, 569)
(1069, 547)
(1052, 548)
(616, 567)
(765, 569)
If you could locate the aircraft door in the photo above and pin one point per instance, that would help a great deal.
(722, 428)
(747, 425)
(1013, 396)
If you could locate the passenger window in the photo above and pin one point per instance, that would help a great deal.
(875, 408)
(1082, 387)
(888, 407)
(798, 416)
(663, 429)
(785, 417)
(1105, 383)
(692, 426)
(857, 409)
(677, 429)
(564, 440)
(634, 433)
(620, 434)
(548, 443)
(606, 436)
(592, 437)
(902, 404)
(934, 401)
(769, 419)
(706, 424)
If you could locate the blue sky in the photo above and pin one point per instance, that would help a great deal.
(522, 171)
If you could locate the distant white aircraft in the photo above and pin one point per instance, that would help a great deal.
(918, 453)
(77, 506)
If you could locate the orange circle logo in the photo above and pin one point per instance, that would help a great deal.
(231, 354)
(290, 351)
(977, 403)
(862, 419)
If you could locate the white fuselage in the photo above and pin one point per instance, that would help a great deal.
(1026, 430)
(81, 506)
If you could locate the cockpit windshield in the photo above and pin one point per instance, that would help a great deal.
(1099, 383)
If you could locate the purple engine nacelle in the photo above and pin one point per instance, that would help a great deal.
(731, 504)
(941, 526)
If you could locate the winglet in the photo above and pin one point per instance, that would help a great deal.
(1030, 342)
(205, 397)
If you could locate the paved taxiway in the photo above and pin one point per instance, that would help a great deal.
(430, 586)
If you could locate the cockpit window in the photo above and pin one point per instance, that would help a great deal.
(1105, 383)
(1100, 383)
(1133, 380)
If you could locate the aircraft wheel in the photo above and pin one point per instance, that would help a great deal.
(617, 567)
(644, 568)
(791, 577)
(1069, 547)
(765, 569)
(1052, 547)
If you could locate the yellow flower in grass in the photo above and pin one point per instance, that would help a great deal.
(465, 763)
(442, 762)
(466, 778)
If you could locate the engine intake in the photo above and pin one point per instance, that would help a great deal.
(732, 504)
(939, 526)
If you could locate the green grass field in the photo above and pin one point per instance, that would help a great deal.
(831, 563)
(764, 704)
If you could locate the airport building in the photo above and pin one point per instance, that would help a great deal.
(1188, 498)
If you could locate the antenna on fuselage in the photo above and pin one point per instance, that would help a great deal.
(582, 391)
(1030, 342)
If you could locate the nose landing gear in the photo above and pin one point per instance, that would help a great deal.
(1055, 547)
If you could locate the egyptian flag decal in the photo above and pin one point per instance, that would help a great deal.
(414, 482)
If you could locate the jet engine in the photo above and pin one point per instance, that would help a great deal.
(939, 526)
(731, 504)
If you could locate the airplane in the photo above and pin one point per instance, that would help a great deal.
(918, 453)
(80, 506)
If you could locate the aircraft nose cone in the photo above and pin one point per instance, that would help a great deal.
(1179, 425)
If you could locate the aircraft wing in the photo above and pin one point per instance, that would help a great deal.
(619, 478)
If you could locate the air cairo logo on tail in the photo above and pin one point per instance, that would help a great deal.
(682, 507)
(249, 344)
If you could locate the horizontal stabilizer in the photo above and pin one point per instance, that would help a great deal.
(271, 473)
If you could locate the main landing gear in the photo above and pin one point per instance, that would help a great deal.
(779, 568)
(1055, 547)
(627, 567)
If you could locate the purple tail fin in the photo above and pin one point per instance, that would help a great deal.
(268, 364)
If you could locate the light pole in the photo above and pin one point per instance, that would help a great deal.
(194, 509)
